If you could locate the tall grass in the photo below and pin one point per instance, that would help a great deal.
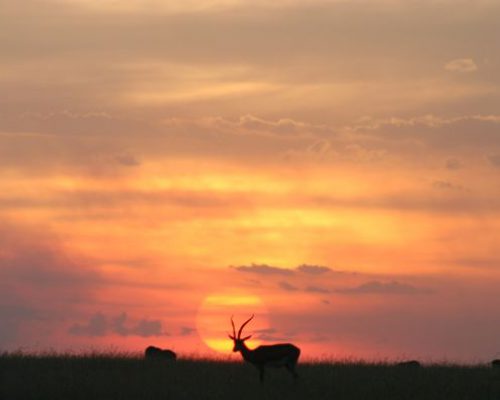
(124, 376)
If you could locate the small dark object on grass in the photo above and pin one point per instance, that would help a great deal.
(155, 353)
(409, 364)
(495, 363)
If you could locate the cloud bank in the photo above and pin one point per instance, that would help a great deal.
(102, 325)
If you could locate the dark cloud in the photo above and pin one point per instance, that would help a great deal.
(313, 269)
(316, 289)
(101, 325)
(287, 286)
(263, 269)
(377, 287)
(97, 326)
(303, 278)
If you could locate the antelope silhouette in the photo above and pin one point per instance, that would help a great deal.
(276, 355)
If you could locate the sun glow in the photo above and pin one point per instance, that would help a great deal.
(213, 319)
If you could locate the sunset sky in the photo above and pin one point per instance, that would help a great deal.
(331, 166)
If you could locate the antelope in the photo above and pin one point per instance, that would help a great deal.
(155, 353)
(276, 355)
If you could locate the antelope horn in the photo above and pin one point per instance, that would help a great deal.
(234, 329)
(242, 326)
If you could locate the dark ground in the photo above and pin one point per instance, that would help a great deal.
(109, 377)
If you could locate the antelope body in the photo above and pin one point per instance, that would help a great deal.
(276, 355)
(155, 353)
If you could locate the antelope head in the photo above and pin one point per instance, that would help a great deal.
(239, 342)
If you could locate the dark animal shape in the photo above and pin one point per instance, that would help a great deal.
(276, 355)
(409, 364)
(155, 353)
(495, 363)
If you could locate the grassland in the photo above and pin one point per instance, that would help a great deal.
(121, 377)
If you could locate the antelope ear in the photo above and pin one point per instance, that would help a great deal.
(230, 336)
(246, 337)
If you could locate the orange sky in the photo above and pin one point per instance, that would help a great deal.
(332, 166)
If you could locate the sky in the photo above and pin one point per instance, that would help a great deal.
(330, 166)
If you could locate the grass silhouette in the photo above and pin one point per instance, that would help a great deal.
(123, 376)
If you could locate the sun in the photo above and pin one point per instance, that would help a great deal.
(213, 318)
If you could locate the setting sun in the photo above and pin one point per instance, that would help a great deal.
(213, 318)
